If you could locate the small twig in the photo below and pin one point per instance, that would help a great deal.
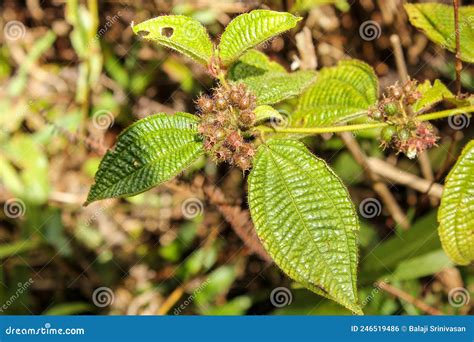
(393, 174)
(380, 188)
(171, 300)
(238, 219)
(409, 298)
(399, 59)
(305, 46)
(458, 66)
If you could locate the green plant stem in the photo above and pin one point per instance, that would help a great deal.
(358, 127)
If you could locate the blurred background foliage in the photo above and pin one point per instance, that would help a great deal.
(72, 76)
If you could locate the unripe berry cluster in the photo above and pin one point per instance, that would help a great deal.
(404, 133)
(226, 116)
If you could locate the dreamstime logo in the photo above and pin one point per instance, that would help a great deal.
(103, 296)
(370, 30)
(192, 207)
(280, 297)
(370, 208)
(458, 297)
(22, 287)
(14, 208)
(103, 119)
(14, 30)
(459, 121)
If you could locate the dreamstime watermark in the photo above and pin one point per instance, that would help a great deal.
(376, 289)
(451, 40)
(458, 297)
(459, 121)
(281, 297)
(14, 208)
(46, 330)
(192, 207)
(103, 296)
(14, 30)
(370, 208)
(370, 30)
(190, 299)
(22, 287)
(108, 24)
(103, 119)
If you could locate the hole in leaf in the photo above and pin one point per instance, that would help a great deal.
(167, 32)
(143, 34)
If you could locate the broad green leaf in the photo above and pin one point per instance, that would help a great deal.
(251, 29)
(178, 32)
(431, 94)
(420, 239)
(149, 152)
(265, 113)
(434, 93)
(340, 93)
(253, 63)
(437, 22)
(306, 5)
(456, 211)
(421, 266)
(305, 219)
(274, 87)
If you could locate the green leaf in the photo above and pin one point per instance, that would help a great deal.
(418, 240)
(306, 5)
(305, 219)
(456, 211)
(432, 94)
(274, 87)
(181, 33)
(253, 63)
(339, 93)
(149, 152)
(437, 22)
(421, 266)
(265, 113)
(251, 29)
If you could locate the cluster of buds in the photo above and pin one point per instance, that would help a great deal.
(226, 117)
(404, 132)
(411, 139)
(397, 100)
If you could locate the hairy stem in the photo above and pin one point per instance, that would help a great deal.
(458, 65)
(358, 127)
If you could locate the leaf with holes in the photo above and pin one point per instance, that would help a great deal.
(341, 92)
(456, 211)
(437, 22)
(305, 219)
(183, 34)
(149, 152)
(274, 87)
(251, 29)
(253, 63)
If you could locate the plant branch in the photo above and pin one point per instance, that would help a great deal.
(458, 65)
(379, 187)
(409, 298)
(358, 127)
